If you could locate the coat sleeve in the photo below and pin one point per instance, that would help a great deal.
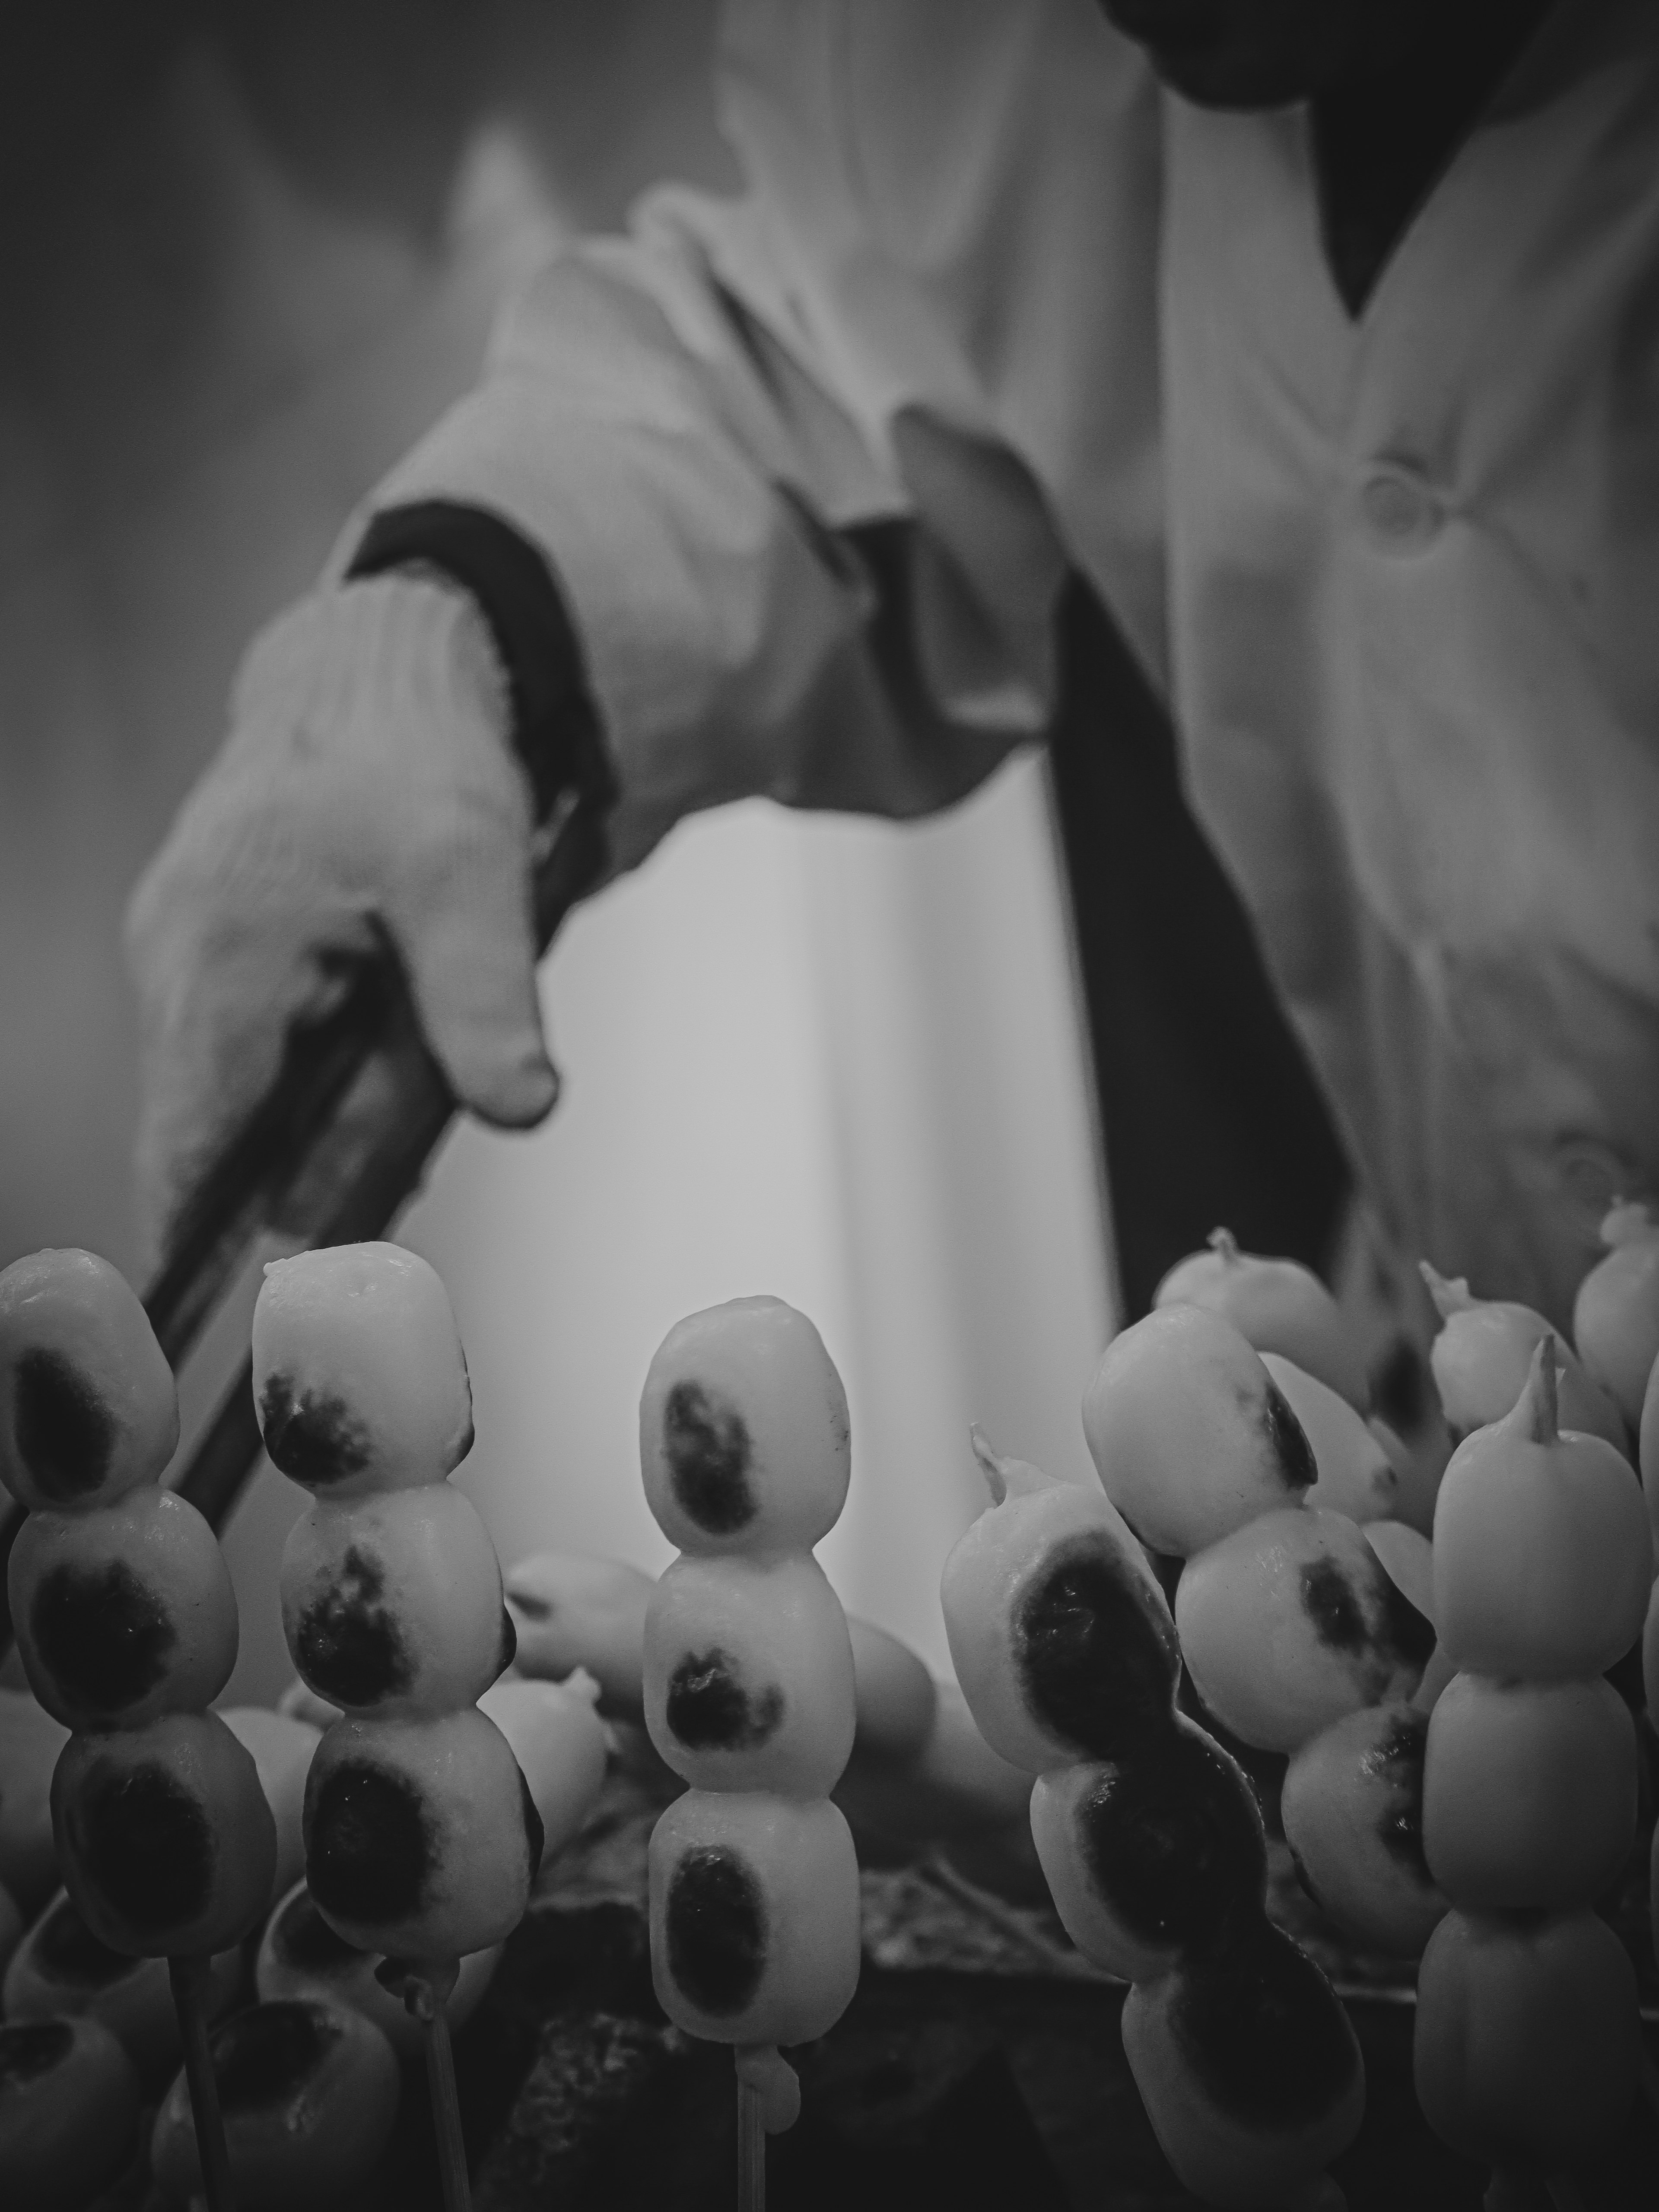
(777, 589)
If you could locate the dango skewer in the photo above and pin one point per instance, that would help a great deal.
(1307, 1634)
(1526, 2042)
(1151, 1840)
(127, 1628)
(748, 1696)
(421, 1836)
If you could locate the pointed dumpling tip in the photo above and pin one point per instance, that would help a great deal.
(1537, 1405)
(1450, 1295)
(992, 1464)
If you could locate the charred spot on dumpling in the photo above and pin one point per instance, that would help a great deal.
(1287, 1440)
(1331, 1603)
(1262, 2030)
(508, 1650)
(706, 1443)
(716, 1922)
(260, 2057)
(1406, 1633)
(304, 1938)
(348, 1646)
(31, 2048)
(66, 1949)
(105, 1637)
(311, 1436)
(1097, 1660)
(1173, 1841)
(535, 1835)
(64, 1433)
(146, 1844)
(1398, 1756)
(371, 1850)
(710, 1710)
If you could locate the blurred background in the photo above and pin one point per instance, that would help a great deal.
(247, 253)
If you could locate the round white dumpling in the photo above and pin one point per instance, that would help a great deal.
(359, 1377)
(745, 1438)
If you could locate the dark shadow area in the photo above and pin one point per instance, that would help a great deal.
(242, 266)
(369, 105)
(70, 70)
(144, 309)
(1210, 1112)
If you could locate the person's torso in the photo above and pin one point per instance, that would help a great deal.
(1399, 575)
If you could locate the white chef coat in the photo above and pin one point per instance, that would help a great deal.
(1398, 577)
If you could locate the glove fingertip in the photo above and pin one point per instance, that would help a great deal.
(514, 1094)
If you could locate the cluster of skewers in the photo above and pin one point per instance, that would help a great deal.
(1422, 1644)
(179, 1831)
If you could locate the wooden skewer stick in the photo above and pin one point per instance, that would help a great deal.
(1003, 1916)
(752, 2147)
(1647, 2075)
(1321, 2192)
(768, 2102)
(424, 1985)
(1513, 2189)
(188, 1976)
(445, 2113)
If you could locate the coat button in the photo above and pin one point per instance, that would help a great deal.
(1401, 514)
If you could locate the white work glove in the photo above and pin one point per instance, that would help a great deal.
(368, 793)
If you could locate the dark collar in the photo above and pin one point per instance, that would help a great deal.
(1380, 148)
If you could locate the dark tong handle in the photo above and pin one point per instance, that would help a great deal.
(329, 1156)
(409, 1106)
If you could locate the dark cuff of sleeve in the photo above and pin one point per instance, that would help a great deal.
(556, 725)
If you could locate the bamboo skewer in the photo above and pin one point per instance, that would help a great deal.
(768, 2102)
(188, 1976)
(424, 1985)
(1564, 2192)
(752, 2147)
(445, 2111)
(1516, 2188)
(1647, 2075)
(1321, 2192)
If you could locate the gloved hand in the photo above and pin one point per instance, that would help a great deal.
(368, 795)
